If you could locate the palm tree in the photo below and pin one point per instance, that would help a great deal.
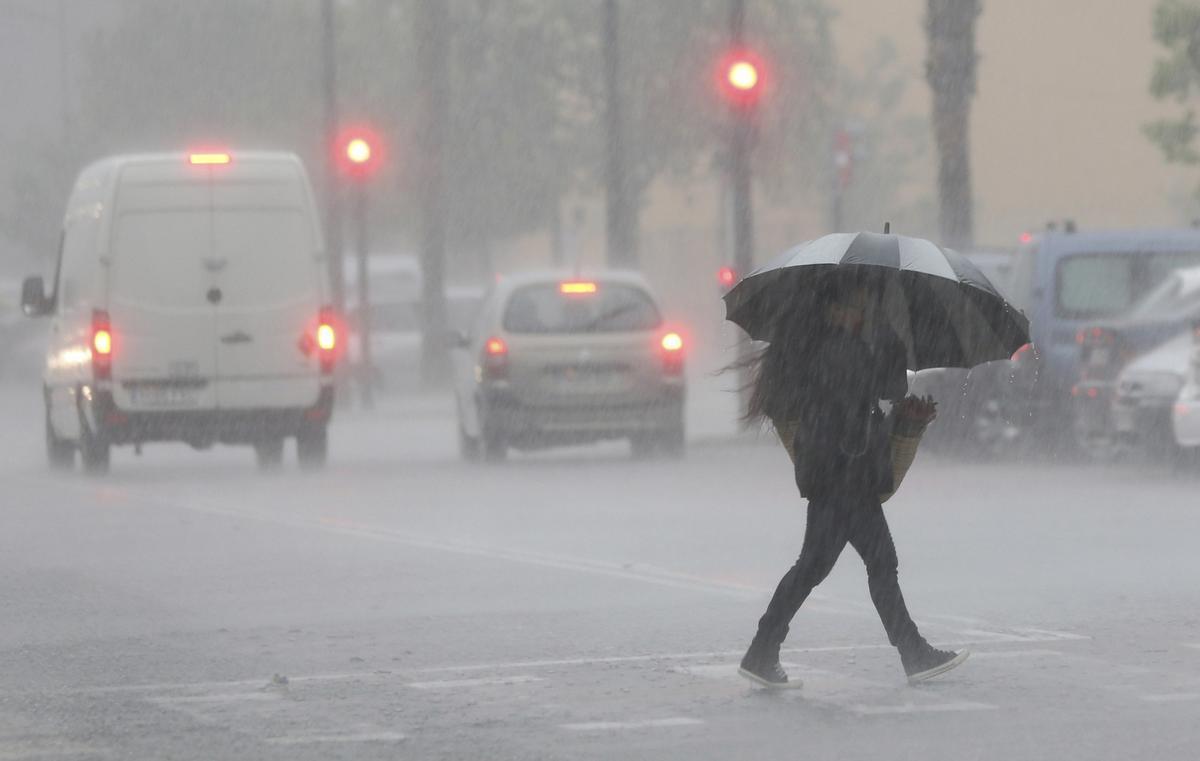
(950, 71)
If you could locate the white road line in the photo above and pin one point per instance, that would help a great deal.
(1177, 697)
(18, 750)
(956, 707)
(361, 737)
(451, 684)
(1032, 653)
(609, 726)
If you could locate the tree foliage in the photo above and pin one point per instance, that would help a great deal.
(526, 100)
(1175, 78)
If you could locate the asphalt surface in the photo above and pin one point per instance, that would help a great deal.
(575, 605)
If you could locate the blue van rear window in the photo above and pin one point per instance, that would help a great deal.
(1105, 285)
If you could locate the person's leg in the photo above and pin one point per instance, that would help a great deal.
(824, 537)
(871, 538)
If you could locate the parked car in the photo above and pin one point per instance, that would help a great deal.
(1185, 416)
(970, 420)
(558, 359)
(189, 303)
(396, 294)
(1067, 281)
(1105, 349)
(1146, 393)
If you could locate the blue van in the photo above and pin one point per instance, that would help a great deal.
(1066, 281)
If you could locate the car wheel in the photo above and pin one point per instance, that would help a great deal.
(493, 444)
(94, 453)
(312, 447)
(268, 454)
(60, 455)
(672, 442)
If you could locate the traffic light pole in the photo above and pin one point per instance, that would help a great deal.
(366, 381)
(740, 171)
(333, 185)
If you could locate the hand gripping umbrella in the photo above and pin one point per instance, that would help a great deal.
(944, 309)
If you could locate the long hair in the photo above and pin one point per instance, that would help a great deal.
(778, 373)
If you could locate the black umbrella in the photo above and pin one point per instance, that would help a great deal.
(944, 309)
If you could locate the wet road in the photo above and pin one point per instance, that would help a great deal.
(575, 605)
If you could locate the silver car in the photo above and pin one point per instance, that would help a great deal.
(556, 359)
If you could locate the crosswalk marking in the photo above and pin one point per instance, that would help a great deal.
(608, 726)
(957, 706)
(1176, 697)
(360, 737)
(450, 684)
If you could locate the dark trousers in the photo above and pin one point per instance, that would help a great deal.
(832, 522)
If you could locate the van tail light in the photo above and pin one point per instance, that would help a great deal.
(671, 345)
(494, 362)
(102, 345)
(327, 339)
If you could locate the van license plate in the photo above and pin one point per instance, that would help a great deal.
(163, 396)
(1100, 357)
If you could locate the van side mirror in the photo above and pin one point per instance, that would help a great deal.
(457, 339)
(34, 302)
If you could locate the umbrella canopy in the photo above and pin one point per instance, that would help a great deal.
(944, 309)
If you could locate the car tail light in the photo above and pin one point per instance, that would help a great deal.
(327, 339)
(102, 345)
(495, 359)
(672, 353)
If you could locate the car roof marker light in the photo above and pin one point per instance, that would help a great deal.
(209, 159)
(577, 288)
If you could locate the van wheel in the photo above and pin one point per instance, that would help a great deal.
(641, 446)
(468, 447)
(269, 454)
(60, 455)
(94, 453)
(312, 447)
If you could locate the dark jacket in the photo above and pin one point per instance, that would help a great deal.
(843, 442)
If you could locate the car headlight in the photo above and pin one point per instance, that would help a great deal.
(1159, 384)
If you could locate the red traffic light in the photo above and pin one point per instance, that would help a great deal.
(357, 152)
(741, 76)
(727, 277)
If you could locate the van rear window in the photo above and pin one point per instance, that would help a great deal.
(544, 308)
(1106, 285)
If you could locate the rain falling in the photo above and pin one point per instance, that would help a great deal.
(526, 379)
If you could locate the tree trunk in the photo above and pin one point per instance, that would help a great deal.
(432, 27)
(950, 71)
(621, 210)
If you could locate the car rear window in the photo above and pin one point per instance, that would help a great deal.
(544, 308)
(1105, 285)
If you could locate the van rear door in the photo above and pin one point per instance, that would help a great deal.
(268, 273)
(162, 322)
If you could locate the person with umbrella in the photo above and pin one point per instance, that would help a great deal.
(846, 316)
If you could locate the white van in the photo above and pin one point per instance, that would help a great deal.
(189, 303)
